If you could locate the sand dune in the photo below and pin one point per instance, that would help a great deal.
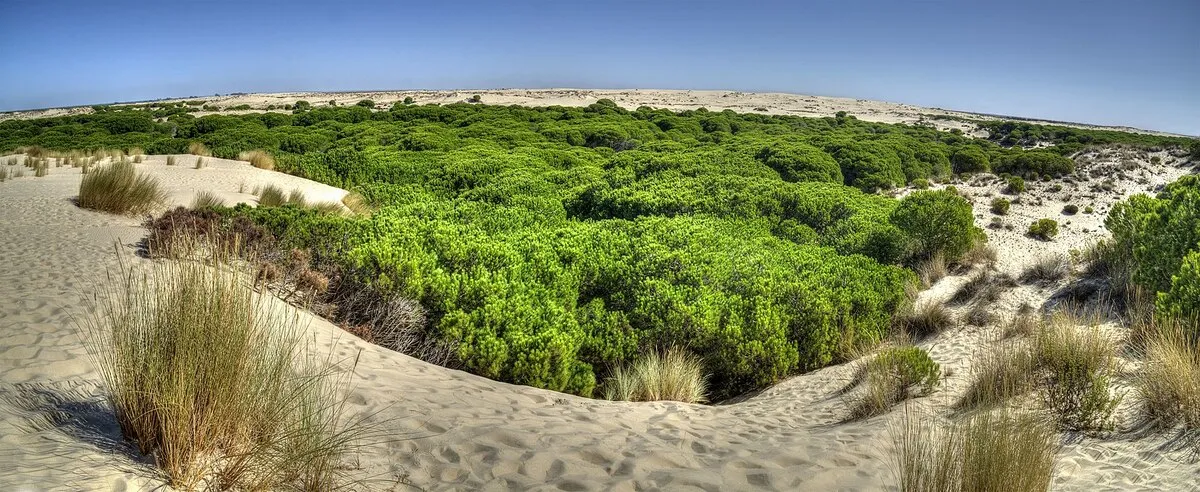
(449, 430)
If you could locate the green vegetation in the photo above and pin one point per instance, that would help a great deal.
(1067, 141)
(892, 376)
(1078, 364)
(1168, 386)
(1000, 206)
(1044, 229)
(1016, 185)
(118, 188)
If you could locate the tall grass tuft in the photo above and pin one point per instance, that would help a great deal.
(259, 159)
(120, 189)
(891, 377)
(1050, 268)
(928, 319)
(206, 199)
(198, 148)
(1168, 387)
(933, 269)
(994, 451)
(271, 196)
(998, 375)
(674, 375)
(170, 160)
(41, 168)
(199, 163)
(3, 174)
(1078, 365)
(296, 197)
(214, 384)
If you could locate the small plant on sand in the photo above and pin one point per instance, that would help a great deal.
(988, 452)
(215, 383)
(998, 375)
(1044, 229)
(258, 158)
(199, 163)
(1049, 268)
(296, 197)
(1077, 365)
(1168, 386)
(933, 269)
(674, 375)
(198, 148)
(120, 189)
(1016, 185)
(891, 377)
(3, 174)
(928, 319)
(1000, 206)
(1070, 209)
(170, 160)
(206, 199)
(271, 196)
(41, 168)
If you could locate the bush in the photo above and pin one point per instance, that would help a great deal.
(891, 377)
(1044, 229)
(920, 184)
(988, 452)
(1000, 206)
(673, 376)
(800, 162)
(1015, 186)
(1070, 209)
(937, 221)
(119, 189)
(1078, 366)
(970, 160)
(194, 362)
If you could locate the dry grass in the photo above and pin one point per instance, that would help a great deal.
(216, 385)
(197, 148)
(674, 376)
(1000, 452)
(894, 375)
(41, 168)
(170, 160)
(118, 188)
(259, 159)
(929, 319)
(206, 199)
(3, 174)
(1047, 269)
(981, 253)
(357, 204)
(985, 287)
(1023, 324)
(199, 163)
(933, 269)
(271, 196)
(998, 375)
(1078, 362)
(1168, 386)
(296, 197)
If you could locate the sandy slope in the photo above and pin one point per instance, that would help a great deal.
(451, 430)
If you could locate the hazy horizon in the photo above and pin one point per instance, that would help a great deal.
(1104, 63)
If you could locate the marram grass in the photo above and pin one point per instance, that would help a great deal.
(120, 189)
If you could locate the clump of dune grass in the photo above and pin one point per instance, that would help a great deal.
(296, 197)
(19, 173)
(328, 207)
(986, 452)
(198, 148)
(1168, 386)
(1022, 324)
(137, 159)
(998, 375)
(981, 253)
(3, 174)
(271, 196)
(206, 199)
(892, 376)
(1050, 268)
(120, 189)
(41, 168)
(170, 160)
(136, 152)
(926, 320)
(356, 204)
(33, 151)
(933, 269)
(215, 384)
(258, 158)
(1077, 364)
(985, 287)
(674, 375)
(199, 163)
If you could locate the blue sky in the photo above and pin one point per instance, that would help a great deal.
(1108, 62)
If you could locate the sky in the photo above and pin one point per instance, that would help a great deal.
(1134, 63)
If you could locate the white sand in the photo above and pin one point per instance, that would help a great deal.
(451, 430)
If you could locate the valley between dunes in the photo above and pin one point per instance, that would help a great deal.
(449, 430)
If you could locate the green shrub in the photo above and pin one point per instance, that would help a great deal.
(1070, 209)
(920, 184)
(1000, 206)
(800, 162)
(891, 377)
(1079, 365)
(970, 160)
(118, 188)
(1044, 229)
(1016, 185)
(937, 221)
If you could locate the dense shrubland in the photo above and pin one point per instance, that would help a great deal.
(550, 246)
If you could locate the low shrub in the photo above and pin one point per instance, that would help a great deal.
(893, 376)
(1000, 206)
(1044, 229)
(1070, 209)
(672, 376)
(1077, 367)
(119, 188)
(1015, 185)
